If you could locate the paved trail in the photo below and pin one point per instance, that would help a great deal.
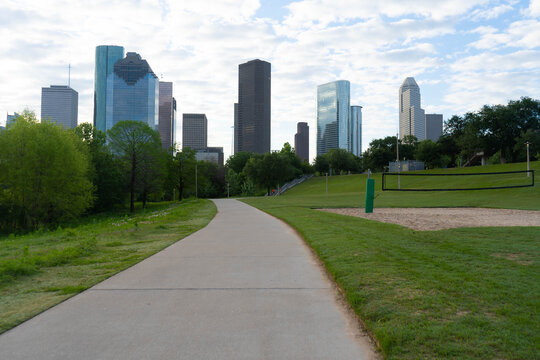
(244, 287)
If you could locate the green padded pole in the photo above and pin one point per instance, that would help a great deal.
(370, 195)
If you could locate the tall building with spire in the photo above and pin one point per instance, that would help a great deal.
(106, 57)
(252, 112)
(411, 115)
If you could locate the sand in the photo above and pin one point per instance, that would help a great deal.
(445, 218)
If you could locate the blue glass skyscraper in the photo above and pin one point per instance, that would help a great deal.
(333, 105)
(106, 57)
(132, 92)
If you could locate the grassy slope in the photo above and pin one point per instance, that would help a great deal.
(461, 293)
(40, 270)
(349, 191)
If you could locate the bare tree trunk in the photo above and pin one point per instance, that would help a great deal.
(132, 185)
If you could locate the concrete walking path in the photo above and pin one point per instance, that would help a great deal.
(244, 287)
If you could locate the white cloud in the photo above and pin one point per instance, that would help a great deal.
(198, 47)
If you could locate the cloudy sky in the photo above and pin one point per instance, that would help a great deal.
(462, 53)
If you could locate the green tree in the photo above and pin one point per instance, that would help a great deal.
(430, 153)
(341, 160)
(321, 164)
(182, 171)
(44, 172)
(237, 161)
(132, 141)
(268, 170)
(106, 171)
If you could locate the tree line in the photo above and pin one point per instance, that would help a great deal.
(498, 133)
(50, 175)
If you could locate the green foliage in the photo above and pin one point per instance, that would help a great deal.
(238, 161)
(107, 171)
(182, 172)
(44, 173)
(138, 146)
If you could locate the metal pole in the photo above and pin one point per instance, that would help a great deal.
(196, 187)
(327, 183)
(397, 161)
(528, 167)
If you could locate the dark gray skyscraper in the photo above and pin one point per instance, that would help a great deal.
(195, 131)
(434, 126)
(252, 115)
(301, 141)
(60, 104)
(106, 56)
(167, 114)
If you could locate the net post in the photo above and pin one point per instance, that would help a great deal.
(370, 195)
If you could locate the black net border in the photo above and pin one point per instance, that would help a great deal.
(464, 174)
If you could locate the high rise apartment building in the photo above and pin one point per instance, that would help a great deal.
(106, 57)
(132, 92)
(60, 104)
(252, 112)
(167, 114)
(301, 141)
(411, 115)
(339, 125)
(195, 131)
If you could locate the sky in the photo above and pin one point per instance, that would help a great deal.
(462, 53)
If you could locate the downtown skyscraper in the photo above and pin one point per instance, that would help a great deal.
(301, 141)
(339, 126)
(132, 92)
(412, 119)
(106, 57)
(252, 112)
(167, 115)
(60, 104)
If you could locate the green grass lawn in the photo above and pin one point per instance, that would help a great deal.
(468, 293)
(349, 191)
(41, 269)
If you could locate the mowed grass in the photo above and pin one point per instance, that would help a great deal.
(468, 293)
(349, 190)
(41, 269)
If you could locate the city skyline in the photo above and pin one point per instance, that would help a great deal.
(463, 54)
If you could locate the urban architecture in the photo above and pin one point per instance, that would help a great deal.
(213, 154)
(132, 92)
(301, 141)
(411, 115)
(11, 118)
(252, 112)
(434, 126)
(195, 131)
(106, 57)
(167, 114)
(356, 130)
(339, 125)
(60, 104)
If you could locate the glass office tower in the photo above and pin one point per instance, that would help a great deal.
(132, 92)
(356, 130)
(106, 56)
(333, 118)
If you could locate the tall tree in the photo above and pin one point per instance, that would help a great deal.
(182, 171)
(132, 141)
(44, 172)
(106, 171)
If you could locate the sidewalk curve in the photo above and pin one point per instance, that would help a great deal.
(244, 287)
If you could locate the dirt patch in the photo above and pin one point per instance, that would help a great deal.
(445, 218)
